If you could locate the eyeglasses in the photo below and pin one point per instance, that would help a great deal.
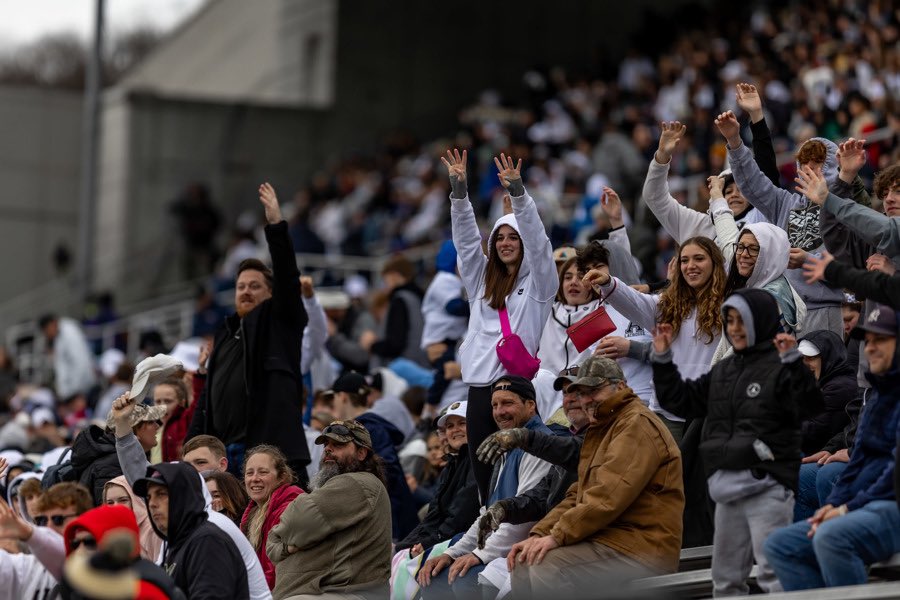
(752, 251)
(58, 520)
(88, 542)
(573, 371)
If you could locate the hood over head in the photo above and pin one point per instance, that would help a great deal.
(101, 521)
(510, 220)
(91, 444)
(759, 310)
(13, 488)
(446, 257)
(830, 168)
(187, 505)
(774, 252)
(832, 351)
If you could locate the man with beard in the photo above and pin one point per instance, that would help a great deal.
(336, 540)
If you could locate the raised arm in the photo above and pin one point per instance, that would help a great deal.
(723, 218)
(538, 253)
(773, 202)
(316, 333)
(286, 299)
(612, 206)
(131, 455)
(873, 285)
(749, 100)
(878, 229)
(839, 239)
(463, 226)
(679, 221)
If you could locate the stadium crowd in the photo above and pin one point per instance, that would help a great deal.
(573, 397)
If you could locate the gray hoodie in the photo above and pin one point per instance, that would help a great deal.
(792, 212)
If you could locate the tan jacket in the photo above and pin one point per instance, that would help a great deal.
(343, 532)
(629, 495)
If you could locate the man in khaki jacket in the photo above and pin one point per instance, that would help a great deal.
(335, 542)
(622, 519)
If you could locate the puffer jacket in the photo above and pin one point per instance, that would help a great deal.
(95, 461)
(755, 394)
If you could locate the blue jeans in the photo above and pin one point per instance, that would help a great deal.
(463, 588)
(840, 550)
(816, 483)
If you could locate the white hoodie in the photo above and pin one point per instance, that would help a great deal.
(529, 303)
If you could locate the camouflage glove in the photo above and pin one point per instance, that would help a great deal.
(490, 521)
(499, 443)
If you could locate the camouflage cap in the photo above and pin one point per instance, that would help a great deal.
(141, 414)
(596, 371)
(346, 431)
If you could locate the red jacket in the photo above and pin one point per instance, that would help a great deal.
(279, 501)
(177, 426)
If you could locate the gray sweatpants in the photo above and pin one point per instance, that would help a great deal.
(741, 529)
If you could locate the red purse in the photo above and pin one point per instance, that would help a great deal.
(590, 329)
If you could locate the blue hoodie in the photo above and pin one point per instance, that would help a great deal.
(870, 473)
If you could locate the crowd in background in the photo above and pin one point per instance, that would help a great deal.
(744, 293)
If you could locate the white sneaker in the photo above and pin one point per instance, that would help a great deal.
(151, 371)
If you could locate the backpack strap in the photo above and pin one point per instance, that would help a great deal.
(504, 322)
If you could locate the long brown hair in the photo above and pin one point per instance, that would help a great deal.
(560, 294)
(498, 281)
(679, 299)
(234, 498)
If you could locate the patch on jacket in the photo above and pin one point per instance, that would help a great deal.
(753, 390)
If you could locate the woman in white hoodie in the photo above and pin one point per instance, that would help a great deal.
(518, 273)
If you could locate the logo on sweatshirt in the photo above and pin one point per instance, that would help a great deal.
(521, 291)
(753, 390)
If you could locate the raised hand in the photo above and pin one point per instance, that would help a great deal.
(716, 187)
(509, 173)
(812, 184)
(456, 163)
(122, 409)
(306, 287)
(814, 267)
(851, 158)
(500, 442)
(670, 134)
(13, 527)
(749, 101)
(205, 351)
(270, 202)
(612, 206)
(662, 337)
(784, 342)
(507, 205)
(728, 126)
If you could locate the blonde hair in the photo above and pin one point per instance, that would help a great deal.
(680, 299)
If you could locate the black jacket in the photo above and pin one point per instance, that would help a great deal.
(837, 381)
(272, 335)
(873, 285)
(748, 396)
(562, 452)
(454, 507)
(200, 557)
(95, 461)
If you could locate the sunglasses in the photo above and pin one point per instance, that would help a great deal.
(88, 542)
(572, 371)
(58, 520)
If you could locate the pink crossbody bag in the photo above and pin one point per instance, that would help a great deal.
(512, 353)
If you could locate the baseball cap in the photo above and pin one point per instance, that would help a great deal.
(141, 413)
(598, 370)
(807, 348)
(517, 385)
(882, 320)
(568, 375)
(563, 253)
(457, 409)
(346, 431)
(352, 383)
(140, 486)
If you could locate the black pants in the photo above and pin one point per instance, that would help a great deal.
(480, 424)
(302, 476)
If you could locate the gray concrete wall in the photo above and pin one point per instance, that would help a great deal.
(39, 171)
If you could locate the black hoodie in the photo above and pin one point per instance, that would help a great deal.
(837, 381)
(756, 394)
(95, 461)
(200, 557)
